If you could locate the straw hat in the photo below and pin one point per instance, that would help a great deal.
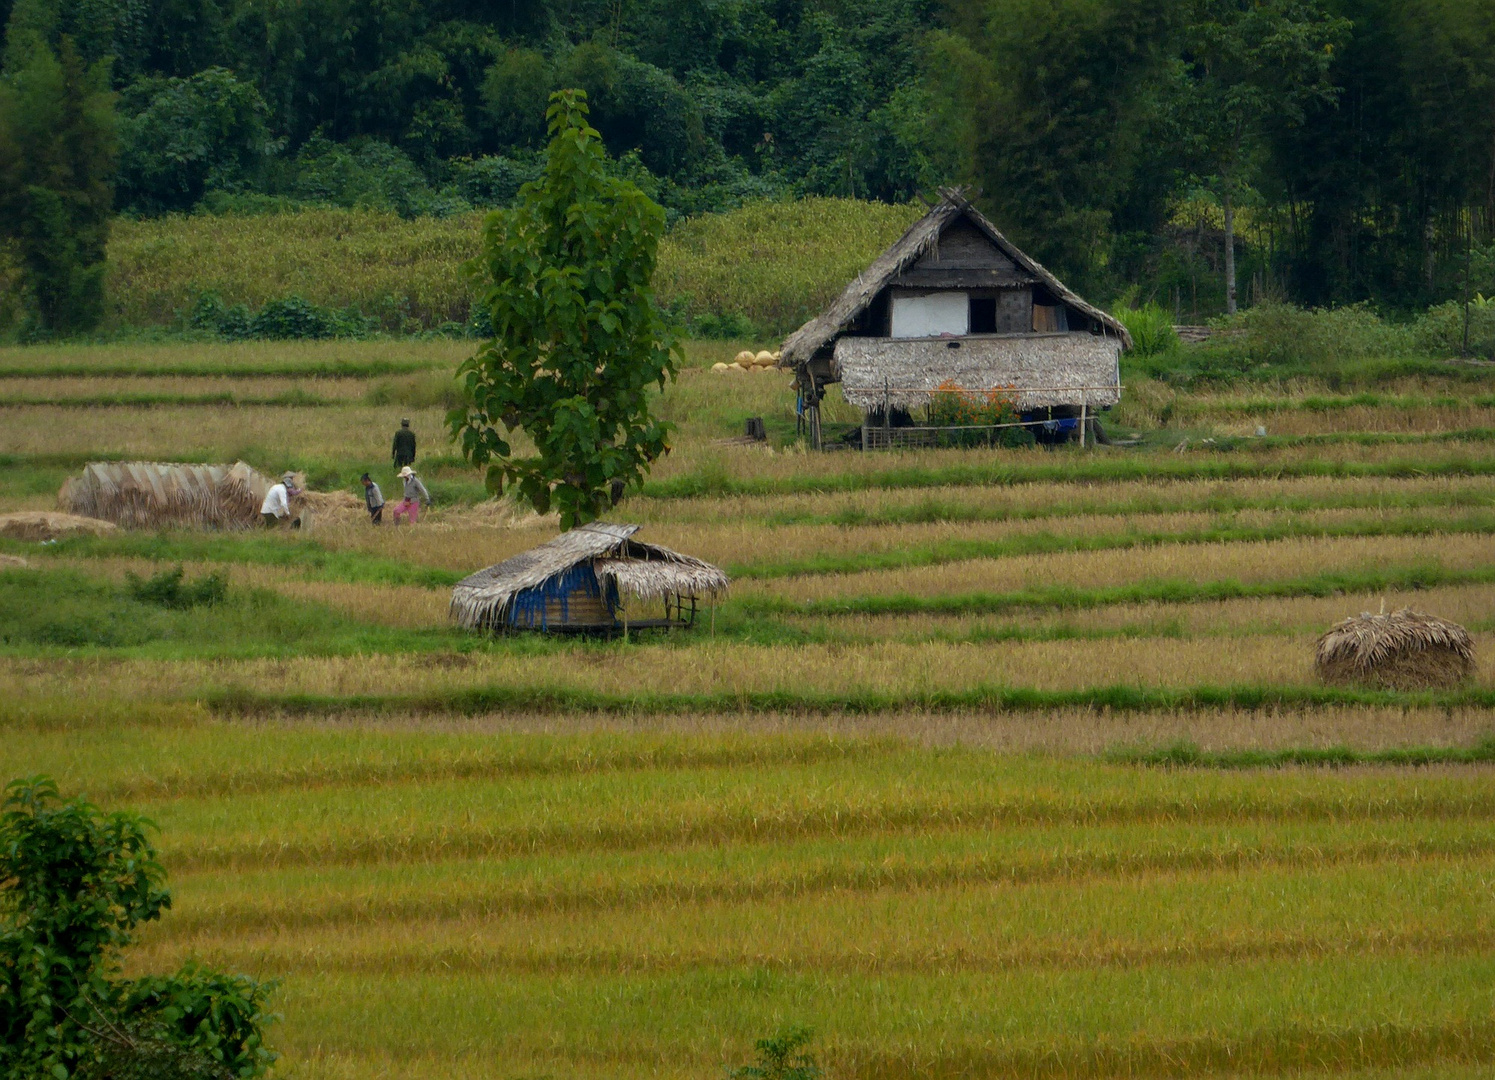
(406, 471)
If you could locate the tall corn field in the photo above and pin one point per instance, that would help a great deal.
(774, 263)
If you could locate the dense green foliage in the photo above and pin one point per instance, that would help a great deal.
(56, 161)
(77, 882)
(578, 340)
(1346, 145)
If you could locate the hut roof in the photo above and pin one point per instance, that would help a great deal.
(647, 571)
(922, 235)
(1400, 648)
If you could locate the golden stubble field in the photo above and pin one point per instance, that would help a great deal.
(520, 858)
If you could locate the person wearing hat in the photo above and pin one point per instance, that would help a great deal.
(415, 491)
(276, 509)
(403, 450)
(373, 498)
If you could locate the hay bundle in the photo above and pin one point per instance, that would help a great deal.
(155, 495)
(42, 525)
(1402, 650)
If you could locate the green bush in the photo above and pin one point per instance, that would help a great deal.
(1441, 330)
(288, 319)
(1151, 328)
(782, 1057)
(1283, 335)
(75, 883)
(167, 589)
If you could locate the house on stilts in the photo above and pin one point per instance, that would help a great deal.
(584, 581)
(954, 304)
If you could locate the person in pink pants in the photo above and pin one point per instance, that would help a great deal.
(415, 492)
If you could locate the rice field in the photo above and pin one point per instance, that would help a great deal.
(992, 764)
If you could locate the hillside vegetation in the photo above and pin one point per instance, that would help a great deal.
(770, 265)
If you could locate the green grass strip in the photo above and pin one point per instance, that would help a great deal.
(1323, 403)
(337, 369)
(473, 701)
(1047, 543)
(1063, 597)
(935, 509)
(1103, 468)
(1185, 754)
(297, 398)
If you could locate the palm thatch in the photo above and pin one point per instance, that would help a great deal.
(1400, 650)
(154, 495)
(598, 557)
(1047, 369)
(802, 345)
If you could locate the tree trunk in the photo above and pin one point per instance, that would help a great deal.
(1230, 306)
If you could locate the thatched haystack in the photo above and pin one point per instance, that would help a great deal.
(576, 581)
(1399, 650)
(41, 525)
(155, 495)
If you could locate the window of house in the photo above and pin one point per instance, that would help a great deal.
(983, 315)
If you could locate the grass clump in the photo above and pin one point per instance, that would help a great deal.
(1151, 328)
(168, 589)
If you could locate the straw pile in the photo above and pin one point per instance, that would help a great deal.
(156, 495)
(40, 525)
(1402, 650)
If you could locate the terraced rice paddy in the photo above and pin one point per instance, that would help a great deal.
(993, 764)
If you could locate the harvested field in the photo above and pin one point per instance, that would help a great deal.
(991, 764)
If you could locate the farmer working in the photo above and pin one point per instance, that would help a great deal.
(276, 509)
(373, 498)
(415, 491)
(403, 450)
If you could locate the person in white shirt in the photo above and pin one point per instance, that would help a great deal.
(276, 508)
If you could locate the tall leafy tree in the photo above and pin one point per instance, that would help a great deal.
(578, 340)
(1059, 94)
(57, 159)
(1246, 65)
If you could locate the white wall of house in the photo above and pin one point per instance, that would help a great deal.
(930, 315)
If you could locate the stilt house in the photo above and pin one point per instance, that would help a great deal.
(955, 303)
(580, 582)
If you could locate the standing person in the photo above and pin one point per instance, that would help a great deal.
(373, 498)
(403, 450)
(415, 491)
(276, 508)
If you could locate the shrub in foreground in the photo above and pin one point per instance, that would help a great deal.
(76, 883)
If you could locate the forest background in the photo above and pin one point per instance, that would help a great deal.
(1353, 141)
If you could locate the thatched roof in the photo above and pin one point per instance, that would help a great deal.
(922, 235)
(1401, 649)
(648, 571)
(1047, 369)
(153, 494)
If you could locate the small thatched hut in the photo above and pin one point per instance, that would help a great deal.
(955, 303)
(577, 583)
(1400, 650)
(155, 495)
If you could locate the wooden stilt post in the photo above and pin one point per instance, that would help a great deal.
(1084, 419)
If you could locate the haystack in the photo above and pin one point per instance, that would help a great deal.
(1400, 650)
(155, 495)
(41, 525)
